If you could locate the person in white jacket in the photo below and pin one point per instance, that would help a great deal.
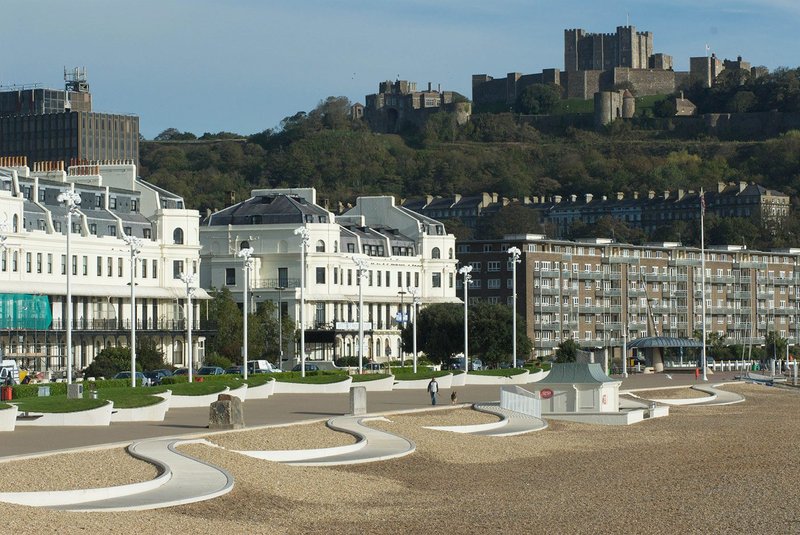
(433, 390)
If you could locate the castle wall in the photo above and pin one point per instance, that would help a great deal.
(646, 81)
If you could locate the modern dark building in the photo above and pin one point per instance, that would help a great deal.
(51, 125)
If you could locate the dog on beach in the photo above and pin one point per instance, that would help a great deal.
(454, 397)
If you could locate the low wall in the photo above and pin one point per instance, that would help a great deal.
(422, 384)
(378, 385)
(151, 413)
(520, 379)
(459, 379)
(184, 402)
(537, 376)
(100, 416)
(284, 456)
(341, 387)
(8, 418)
(240, 392)
(261, 391)
(603, 418)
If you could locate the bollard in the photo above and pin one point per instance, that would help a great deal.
(358, 400)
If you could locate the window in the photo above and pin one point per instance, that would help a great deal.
(112, 203)
(493, 284)
(49, 263)
(144, 269)
(177, 269)
(155, 269)
(119, 267)
(112, 230)
(319, 315)
(109, 267)
(63, 263)
(28, 262)
(85, 266)
(436, 281)
(93, 228)
(5, 260)
(416, 279)
(493, 266)
(320, 248)
(177, 236)
(147, 233)
(230, 276)
(335, 275)
(74, 262)
(283, 277)
(436, 253)
(99, 266)
(128, 231)
(321, 275)
(134, 205)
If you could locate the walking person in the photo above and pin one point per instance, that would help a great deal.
(433, 390)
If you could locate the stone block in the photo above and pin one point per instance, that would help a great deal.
(75, 391)
(226, 413)
(358, 400)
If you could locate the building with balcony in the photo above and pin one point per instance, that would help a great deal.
(33, 263)
(597, 291)
(406, 252)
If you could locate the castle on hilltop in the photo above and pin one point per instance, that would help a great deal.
(398, 103)
(595, 62)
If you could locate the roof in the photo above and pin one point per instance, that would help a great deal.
(664, 341)
(576, 373)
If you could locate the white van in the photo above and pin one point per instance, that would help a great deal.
(260, 366)
(9, 368)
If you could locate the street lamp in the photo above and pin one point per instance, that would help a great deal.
(515, 253)
(415, 298)
(624, 352)
(401, 318)
(71, 201)
(465, 270)
(135, 245)
(245, 253)
(362, 263)
(280, 325)
(189, 281)
(305, 236)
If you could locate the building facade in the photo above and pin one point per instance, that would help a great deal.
(115, 203)
(599, 291)
(406, 253)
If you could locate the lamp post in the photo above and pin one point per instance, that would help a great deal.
(415, 299)
(247, 262)
(361, 273)
(189, 281)
(515, 254)
(304, 239)
(624, 353)
(135, 245)
(401, 318)
(280, 325)
(465, 271)
(71, 201)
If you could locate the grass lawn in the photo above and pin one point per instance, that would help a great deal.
(323, 379)
(53, 404)
(192, 389)
(507, 372)
(364, 377)
(129, 398)
(411, 376)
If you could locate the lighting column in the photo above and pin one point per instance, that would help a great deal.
(415, 298)
(71, 201)
(280, 326)
(402, 320)
(362, 264)
(515, 254)
(465, 271)
(135, 245)
(189, 281)
(247, 262)
(304, 239)
(624, 353)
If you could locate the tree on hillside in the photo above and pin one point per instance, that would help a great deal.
(538, 99)
(225, 316)
(515, 218)
(173, 134)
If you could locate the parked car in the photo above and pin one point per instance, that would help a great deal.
(164, 372)
(309, 368)
(210, 370)
(141, 379)
(233, 370)
(374, 366)
(260, 366)
(155, 376)
(182, 371)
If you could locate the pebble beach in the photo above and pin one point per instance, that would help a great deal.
(714, 469)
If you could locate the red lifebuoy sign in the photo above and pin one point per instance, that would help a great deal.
(545, 393)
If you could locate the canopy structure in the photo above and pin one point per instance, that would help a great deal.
(653, 348)
(25, 311)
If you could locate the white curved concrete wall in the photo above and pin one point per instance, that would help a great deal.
(283, 456)
(341, 387)
(8, 418)
(183, 402)
(262, 391)
(151, 413)
(538, 376)
(459, 379)
(519, 379)
(422, 384)
(93, 417)
(378, 385)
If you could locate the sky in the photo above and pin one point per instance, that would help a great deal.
(243, 65)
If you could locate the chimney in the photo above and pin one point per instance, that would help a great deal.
(573, 198)
(681, 194)
(428, 199)
(588, 197)
(651, 194)
(666, 195)
(635, 195)
(456, 198)
(720, 187)
(429, 87)
(557, 199)
(526, 200)
(494, 197)
(620, 195)
(742, 185)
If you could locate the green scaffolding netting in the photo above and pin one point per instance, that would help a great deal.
(25, 311)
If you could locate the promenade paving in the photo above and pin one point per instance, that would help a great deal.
(276, 410)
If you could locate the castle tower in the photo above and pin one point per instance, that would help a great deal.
(628, 105)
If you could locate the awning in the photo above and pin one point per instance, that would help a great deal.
(664, 341)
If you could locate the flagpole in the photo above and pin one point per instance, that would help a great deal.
(703, 277)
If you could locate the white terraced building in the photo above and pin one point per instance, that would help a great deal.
(404, 250)
(114, 203)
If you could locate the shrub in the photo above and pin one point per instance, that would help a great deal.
(217, 360)
(345, 362)
(174, 380)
